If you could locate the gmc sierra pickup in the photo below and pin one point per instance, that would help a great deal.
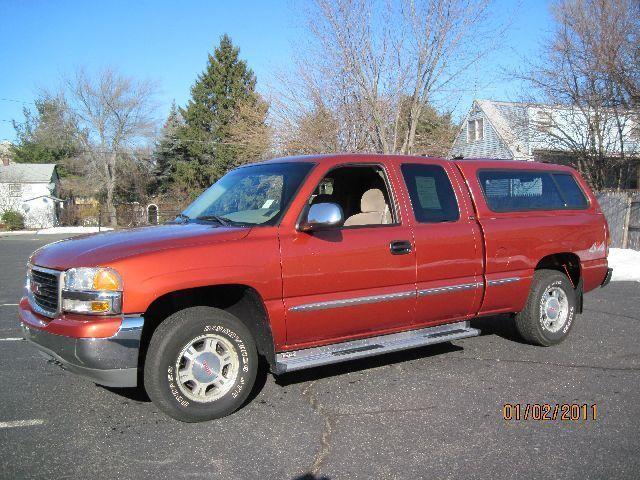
(309, 261)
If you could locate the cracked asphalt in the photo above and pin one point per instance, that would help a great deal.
(434, 412)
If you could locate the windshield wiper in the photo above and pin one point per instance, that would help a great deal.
(181, 216)
(216, 218)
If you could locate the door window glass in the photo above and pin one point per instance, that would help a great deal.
(431, 193)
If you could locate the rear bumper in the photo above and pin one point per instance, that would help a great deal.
(607, 277)
(111, 361)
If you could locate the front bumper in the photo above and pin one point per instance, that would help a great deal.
(111, 361)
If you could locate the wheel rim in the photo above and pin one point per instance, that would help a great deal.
(554, 309)
(207, 368)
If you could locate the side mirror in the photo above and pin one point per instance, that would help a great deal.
(322, 216)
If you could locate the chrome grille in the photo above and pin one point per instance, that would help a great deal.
(44, 291)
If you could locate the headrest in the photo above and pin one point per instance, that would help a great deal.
(372, 201)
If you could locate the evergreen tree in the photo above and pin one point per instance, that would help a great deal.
(219, 93)
(48, 135)
(434, 131)
(168, 151)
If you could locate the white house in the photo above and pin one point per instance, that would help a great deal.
(530, 131)
(31, 189)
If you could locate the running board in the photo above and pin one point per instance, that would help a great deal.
(342, 352)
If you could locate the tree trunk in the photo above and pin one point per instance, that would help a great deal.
(110, 165)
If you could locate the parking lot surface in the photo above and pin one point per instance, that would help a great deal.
(435, 412)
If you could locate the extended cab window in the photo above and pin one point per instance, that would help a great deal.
(517, 190)
(252, 195)
(362, 193)
(431, 193)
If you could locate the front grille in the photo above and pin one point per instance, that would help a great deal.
(44, 291)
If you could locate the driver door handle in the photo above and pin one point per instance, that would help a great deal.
(400, 247)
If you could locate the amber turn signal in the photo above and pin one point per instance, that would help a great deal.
(106, 280)
(100, 306)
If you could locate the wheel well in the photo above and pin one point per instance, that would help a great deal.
(567, 263)
(240, 300)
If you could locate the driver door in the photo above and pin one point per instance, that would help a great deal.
(348, 281)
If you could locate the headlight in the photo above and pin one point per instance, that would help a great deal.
(96, 291)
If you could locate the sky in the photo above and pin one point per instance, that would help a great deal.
(167, 41)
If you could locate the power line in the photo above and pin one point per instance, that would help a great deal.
(15, 100)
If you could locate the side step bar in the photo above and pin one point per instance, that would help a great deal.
(342, 352)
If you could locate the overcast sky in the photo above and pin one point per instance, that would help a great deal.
(168, 41)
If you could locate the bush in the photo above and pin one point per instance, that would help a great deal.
(13, 220)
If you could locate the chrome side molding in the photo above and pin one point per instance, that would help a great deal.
(452, 288)
(347, 302)
(502, 281)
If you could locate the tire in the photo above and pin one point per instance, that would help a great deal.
(201, 364)
(545, 321)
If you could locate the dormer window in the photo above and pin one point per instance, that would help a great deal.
(544, 120)
(475, 130)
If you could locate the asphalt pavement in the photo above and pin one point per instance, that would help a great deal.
(435, 412)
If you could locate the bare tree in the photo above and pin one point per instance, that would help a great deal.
(589, 72)
(249, 132)
(378, 64)
(117, 115)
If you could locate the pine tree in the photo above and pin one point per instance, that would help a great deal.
(217, 96)
(48, 135)
(168, 151)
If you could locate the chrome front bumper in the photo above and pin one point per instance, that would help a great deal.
(109, 361)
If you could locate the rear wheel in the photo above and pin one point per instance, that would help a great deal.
(201, 364)
(550, 309)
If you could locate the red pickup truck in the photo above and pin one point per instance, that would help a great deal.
(309, 261)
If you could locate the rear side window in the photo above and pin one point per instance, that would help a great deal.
(571, 191)
(431, 193)
(517, 190)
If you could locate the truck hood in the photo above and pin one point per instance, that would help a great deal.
(101, 249)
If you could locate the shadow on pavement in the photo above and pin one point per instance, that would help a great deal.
(137, 394)
(501, 325)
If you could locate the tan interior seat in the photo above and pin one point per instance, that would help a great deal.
(374, 208)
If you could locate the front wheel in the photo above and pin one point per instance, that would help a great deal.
(201, 364)
(550, 309)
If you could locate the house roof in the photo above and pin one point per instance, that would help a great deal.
(508, 119)
(27, 172)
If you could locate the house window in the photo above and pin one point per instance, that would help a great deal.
(475, 130)
(544, 120)
(15, 190)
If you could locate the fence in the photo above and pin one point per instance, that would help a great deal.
(622, 210)
(127, 215)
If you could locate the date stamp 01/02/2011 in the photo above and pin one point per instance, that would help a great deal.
(550, 411)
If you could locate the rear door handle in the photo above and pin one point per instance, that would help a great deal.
(400, 247)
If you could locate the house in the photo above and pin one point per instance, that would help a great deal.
(547, 133)
(30, 189)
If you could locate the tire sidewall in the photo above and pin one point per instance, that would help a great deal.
(560, 281)
(163, 372)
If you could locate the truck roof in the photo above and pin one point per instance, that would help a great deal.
(474, 163)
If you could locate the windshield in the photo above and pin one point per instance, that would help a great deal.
(253, 195)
